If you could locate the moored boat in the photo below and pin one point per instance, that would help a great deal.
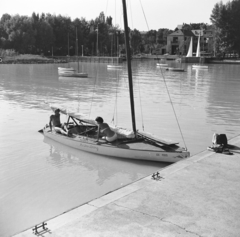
(200, 66)
(141, 146)
(114, 66)
(162, 64)
(175, 69)
(72, 74)
(66, 69)
(129, 144)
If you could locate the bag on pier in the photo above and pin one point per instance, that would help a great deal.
(219, 142)
(220, 139)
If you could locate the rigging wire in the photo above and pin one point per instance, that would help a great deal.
(139, 91)
(106, 8)
(131, 12)
(115, 105)
(166, 87)
(144, 14)
(94, 89)
(173, 108)
(146, 21)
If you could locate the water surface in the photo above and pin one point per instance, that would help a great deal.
(40, 178)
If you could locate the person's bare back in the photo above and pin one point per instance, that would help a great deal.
(55, 123)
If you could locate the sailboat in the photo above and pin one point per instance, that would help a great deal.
(198, 54)
(114, 66)
(66, 69)
(130, 144)
(189, 54)
(65, 72)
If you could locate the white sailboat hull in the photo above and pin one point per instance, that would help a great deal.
(175, 69)
(114, 66)
(72, 74)
(120, 150)
(66, 69)
(162, 64)
(200, 66)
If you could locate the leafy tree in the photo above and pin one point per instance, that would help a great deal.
(109, 21)
(162, 36)
(151, 37)
(20, 34)
(225, 19)
(136, 40)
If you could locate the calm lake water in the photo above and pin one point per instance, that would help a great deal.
(40, 179)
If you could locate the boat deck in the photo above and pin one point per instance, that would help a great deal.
(137, 145)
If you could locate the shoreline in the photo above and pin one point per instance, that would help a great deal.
(37, 59)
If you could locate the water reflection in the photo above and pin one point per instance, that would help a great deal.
(51, 178)
(105, 167)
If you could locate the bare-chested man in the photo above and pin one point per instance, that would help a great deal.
(55, 123)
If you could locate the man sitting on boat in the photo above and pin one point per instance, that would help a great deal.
(55, 123)
(104, 129)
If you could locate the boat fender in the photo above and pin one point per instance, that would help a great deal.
(1, 60)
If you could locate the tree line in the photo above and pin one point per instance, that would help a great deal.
(226, 22)
(49, 34)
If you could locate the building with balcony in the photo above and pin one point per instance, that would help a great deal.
(178, 42)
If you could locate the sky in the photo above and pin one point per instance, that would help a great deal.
(143, 15)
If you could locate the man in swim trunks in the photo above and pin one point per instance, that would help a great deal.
(55, 123)
(104, 129)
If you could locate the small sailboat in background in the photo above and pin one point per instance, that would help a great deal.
(70, 72)
(189, 54)
(162, 64)
(198, 54)
(114, 66)
(175, 69)
(66, 69)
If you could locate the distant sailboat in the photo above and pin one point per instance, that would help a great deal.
(189, 54)
(114, 66)
(198, 54)
(71, 72)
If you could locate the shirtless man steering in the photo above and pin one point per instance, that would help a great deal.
(55, 123)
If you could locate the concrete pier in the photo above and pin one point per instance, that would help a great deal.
(199, 196)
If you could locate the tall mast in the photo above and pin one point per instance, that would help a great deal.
(77, 47)
(129, 65)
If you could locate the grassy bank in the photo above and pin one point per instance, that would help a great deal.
(28, 59)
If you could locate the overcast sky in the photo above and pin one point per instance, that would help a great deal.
(143, 15)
